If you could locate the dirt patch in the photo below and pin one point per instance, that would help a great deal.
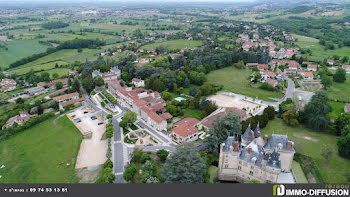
(311, 86)
(92, 150)
(89, 175)
(225, 101)
(305, 137)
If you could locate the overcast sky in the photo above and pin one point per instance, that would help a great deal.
(164, 1)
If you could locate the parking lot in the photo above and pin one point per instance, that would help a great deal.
(92, 150)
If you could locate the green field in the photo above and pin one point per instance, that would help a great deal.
(317, 49)
(298, 173)
(213, 172)
(236, 81)
(340, 91)
(19, 49)
(33, 156)
(337, 109)
(174, 44)
(40, 67)
(337, 166)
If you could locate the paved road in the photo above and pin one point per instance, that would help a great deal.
(156, 148)
(290, 90)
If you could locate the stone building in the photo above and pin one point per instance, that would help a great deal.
(264, 159)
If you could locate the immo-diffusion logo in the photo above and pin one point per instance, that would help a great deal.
(281, 190)
(278, 190)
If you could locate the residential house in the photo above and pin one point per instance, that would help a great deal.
(272, 82)
(307, 75)
(185, 130)
(207, 122)
(330, 62)
(346, 67)
(35, 91)
(347, 108)
(312, 67)
(175, 55)
(138, 82)
(267, 75)
(73, 73)
(75, 102)
(19, 119)
(66, 97)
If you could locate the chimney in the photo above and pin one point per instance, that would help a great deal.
(265, 139)
(235, 149)
(289, 145)
(251, 135)
(249, 150)
(258, 135)
(231, 148)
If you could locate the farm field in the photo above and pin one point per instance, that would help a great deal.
(333, 172)
(40, 67)
(174, 44)
(236, 81)
(33, 156)
(19, 49)
(340, 91)
(317, 49)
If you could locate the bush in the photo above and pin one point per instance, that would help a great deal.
(129, 173)
(162, 154)
(145, 157)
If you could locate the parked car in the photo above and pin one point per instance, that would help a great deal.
(93, 118)
(99, 123)
(85, 112)
(77, 120)
(73, 116)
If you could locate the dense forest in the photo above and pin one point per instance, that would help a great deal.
(54, 25)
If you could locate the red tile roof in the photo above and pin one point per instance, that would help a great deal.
(347, 107)
(71, 102)
(308, 74)
(186, 127)
(66, 96)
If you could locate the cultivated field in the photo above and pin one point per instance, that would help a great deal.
(331, 173)
(174, 44)
(340, 91)
(40, 154)
(19, 49)
(236, 81)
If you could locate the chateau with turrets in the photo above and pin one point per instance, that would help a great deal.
(263, 159)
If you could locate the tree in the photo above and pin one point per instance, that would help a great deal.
(129, 173)
(59, 85)
(162, 155)
(341, 122)
(19, 100)
(270, 112)
(240, 65)
(55, 75)
(193, 91)
(326, 81)
(53, 104)
(145, 157)
(184, 166)
(123, 124)
(136, 155)
(344, 145)
(290, 117)
(229, 125)
(167, 96)
(88, 84)
(45, 76)
(327, 153)
(98, 81)
(316, 111)
(109, 116)
(76, 85)
(340, 75)
(129, 117)
(34, 110)
(3, 98)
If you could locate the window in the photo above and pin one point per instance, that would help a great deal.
(239, 167)
(240, 162)
(226, 166)
(252, 167)
(251, 172)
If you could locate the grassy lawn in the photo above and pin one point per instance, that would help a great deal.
(340, 91)
(337, 107)
(194, 113)
(298, 173)
(334, 171)
(174, 44)
(33, 156)
(317, 49)
(18, 49)
(236, 81)
(213, 172)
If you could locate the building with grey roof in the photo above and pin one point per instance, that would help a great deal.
(262, 159)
